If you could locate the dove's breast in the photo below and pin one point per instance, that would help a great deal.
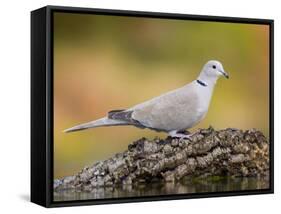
(204, 99)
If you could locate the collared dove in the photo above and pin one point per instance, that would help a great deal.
(172, 112)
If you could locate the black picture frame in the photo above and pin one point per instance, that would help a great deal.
(42, 104)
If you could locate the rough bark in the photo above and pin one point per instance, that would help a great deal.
(229, 152)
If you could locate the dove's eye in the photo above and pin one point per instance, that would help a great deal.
(214, 67)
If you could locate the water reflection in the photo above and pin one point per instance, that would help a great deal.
(212, 184)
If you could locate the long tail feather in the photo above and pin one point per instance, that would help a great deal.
(97, 123)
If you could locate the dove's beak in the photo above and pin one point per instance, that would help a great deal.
(225, 74)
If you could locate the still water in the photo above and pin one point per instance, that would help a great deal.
(211, 184)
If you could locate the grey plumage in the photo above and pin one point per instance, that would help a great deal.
(171, 112)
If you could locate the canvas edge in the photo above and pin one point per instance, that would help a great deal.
(38, 153)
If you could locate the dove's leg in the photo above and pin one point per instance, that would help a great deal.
(180, 134)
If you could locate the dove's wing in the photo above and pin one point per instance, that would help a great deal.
(174, 110)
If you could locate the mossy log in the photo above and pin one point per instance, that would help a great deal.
(229, 152)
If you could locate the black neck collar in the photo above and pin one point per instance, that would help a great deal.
(201, 83)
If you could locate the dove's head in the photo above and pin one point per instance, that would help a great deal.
(212, 70)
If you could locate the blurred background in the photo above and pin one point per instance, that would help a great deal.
(103, 63)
